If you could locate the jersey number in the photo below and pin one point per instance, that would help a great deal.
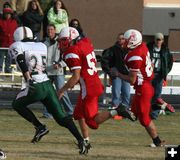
(34, 62)
(149, 68)
(91, 61)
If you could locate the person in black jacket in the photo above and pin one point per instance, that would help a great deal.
(113, 59)
(75, 23)
(33, 17)
(162, 60)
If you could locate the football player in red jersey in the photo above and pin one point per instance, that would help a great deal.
(140, 76)
(79, 55)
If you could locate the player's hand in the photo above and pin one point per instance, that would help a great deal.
(60, 94)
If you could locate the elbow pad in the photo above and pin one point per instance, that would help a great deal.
(22, 63)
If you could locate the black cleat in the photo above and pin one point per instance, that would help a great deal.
(40, 132)
(88, 145)
(162, 144)
(126, 113)
(84, 147)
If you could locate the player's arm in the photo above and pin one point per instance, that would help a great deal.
(71, 82)
(131, 77)
(23, 66)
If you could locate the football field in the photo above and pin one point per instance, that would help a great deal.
(114, 140)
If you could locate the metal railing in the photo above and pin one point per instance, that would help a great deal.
(103, 76)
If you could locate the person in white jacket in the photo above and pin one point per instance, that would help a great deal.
(55, 68)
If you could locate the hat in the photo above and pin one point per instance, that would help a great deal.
(159, 36)
(7, 10)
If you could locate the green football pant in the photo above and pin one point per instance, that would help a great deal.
(43, 92)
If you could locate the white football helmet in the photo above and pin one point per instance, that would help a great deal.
(133, 38)
(66, 36)
(22, 33)
(68, 32)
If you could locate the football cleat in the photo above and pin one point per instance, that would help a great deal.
(88, 145)
(162, 144)
(2, 155)
(161, 104)
(84, 147)
(126, 113)
(40, 132)
(170, 108)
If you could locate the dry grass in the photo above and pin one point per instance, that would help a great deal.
(114, 140)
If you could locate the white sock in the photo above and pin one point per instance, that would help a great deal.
(113, 113)
(87, 138)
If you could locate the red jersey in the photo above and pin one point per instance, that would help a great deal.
(138, 60)
(82, 56)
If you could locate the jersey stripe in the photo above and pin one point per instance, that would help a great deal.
(134, 70)
(134, 58)
(75, 67)
(71, 55)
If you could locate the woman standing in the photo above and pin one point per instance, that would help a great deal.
(58, 15)
(33, 18)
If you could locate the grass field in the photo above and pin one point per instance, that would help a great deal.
(114, 140)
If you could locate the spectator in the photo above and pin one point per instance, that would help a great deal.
(33, 18)
(19, 7)
(31, 57)
(140, 75)
(162, 60)
(7, 27)
(55, 68)
(46, 5)
(5, 5)
(76, 24)
(80, 58)
(113, 59)
(58, 15)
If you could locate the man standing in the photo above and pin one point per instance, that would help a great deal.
(80, 57)
(162, 60)
(30, 58)
(140, 75)
(113, 59)
(55, 68)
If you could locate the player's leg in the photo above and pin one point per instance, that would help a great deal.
(79, 115)
(84, 128)
(144, 103)
(54, 107)
(23, 99)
